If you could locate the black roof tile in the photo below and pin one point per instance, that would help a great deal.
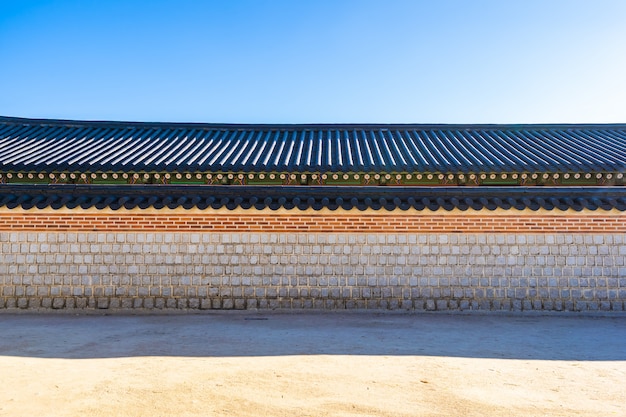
(64, 145)
(302, 198)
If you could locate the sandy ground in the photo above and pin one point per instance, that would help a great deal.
(321, 364)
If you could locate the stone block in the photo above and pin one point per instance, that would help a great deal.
(442, 305)
(159, 303)
(593, 306)
(102, 303)
(58, 303)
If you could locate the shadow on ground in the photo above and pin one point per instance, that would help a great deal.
(537, 337)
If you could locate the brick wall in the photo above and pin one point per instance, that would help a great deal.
(501, 261)
(342, 222)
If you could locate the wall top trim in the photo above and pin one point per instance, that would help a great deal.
(382, 199)
(324, 212)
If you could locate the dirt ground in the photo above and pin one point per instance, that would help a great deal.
(312, 364)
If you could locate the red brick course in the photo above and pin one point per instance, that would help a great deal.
(311, 222)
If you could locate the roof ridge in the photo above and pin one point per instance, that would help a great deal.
(303, 126)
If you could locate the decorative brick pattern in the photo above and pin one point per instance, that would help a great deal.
(232, 270)
(394, 222)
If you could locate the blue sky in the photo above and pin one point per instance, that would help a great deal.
(322, 61)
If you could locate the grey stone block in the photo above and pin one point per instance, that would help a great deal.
(58, 303)
(102, 303)
(159, 303)
(593, 305)
(442, 305)
(125, 302)
(80, 302)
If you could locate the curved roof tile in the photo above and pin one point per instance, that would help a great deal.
(59, 145)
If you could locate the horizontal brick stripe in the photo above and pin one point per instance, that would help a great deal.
(337, 223)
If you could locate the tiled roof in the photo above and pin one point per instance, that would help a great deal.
(302, 198)
(61, 145)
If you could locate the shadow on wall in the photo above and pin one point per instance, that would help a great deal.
(537, 337)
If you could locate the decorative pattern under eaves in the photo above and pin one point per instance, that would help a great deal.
(332, 179)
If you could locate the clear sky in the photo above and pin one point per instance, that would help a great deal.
(317, 61)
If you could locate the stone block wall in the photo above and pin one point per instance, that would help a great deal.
(574, 271)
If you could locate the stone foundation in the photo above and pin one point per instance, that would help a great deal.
(403, 271)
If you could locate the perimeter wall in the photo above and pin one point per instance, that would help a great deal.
(291, 259)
